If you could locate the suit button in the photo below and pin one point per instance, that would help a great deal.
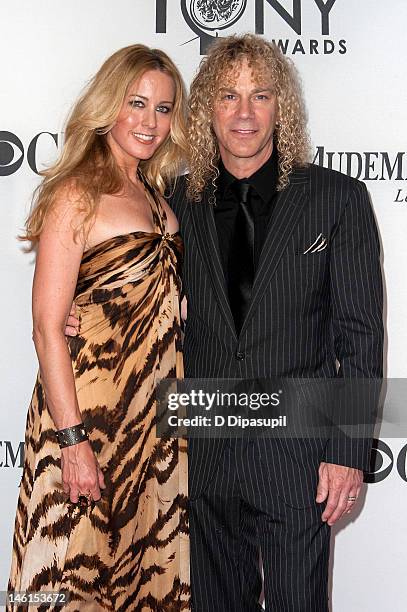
(240, 356)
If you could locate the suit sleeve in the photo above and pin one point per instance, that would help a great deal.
(357, 327)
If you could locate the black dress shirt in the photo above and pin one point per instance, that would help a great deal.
(264, 189)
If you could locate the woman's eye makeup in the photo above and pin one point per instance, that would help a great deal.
(136, 103)
(161, 108)
(164, 109)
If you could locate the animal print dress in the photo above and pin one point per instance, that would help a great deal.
(129, 552)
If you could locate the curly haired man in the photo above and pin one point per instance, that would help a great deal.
(282, 277)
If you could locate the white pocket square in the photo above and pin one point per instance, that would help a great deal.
(320, 243)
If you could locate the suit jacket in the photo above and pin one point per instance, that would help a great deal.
(316, 301)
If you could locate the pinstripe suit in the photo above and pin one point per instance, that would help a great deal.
(308, 309)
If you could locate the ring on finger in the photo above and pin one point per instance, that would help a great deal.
(351, 498)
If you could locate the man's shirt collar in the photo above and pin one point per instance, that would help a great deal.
(264, 180)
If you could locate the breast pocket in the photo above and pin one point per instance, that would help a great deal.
(316, 259)
(309, 274)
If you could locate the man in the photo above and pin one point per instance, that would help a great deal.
(282, 277)
(312, 298)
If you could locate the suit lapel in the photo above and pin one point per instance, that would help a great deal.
(207, 239)
(288, 210)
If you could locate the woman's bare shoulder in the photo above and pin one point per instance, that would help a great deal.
(67, 212)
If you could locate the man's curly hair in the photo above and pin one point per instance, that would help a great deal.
(224, 58)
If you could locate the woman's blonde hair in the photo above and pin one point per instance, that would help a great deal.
(224, 58)
(86, 165)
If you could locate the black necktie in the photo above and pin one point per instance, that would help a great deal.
(241, 257)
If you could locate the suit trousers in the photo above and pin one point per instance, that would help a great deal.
(237, 521)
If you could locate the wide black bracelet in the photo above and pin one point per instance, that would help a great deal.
(71, 435)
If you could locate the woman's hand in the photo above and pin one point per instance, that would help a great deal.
(81, 473)
(184, 309)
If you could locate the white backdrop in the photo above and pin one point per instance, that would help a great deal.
(351, 57)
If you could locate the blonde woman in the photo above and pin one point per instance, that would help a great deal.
(102, 506)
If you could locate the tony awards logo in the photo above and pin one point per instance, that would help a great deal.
(211, 18)
(212, 15)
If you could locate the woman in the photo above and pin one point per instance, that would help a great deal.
(102, 505)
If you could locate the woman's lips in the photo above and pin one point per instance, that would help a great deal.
(144, 138)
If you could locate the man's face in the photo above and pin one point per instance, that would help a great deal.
(244, 118)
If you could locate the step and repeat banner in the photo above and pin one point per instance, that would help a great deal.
(350, 54)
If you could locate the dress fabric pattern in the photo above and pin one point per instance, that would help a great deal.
(130, 551)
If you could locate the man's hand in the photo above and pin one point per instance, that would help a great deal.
(72, 323)
(338, 483)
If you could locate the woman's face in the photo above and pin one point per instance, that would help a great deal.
(145, 118)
